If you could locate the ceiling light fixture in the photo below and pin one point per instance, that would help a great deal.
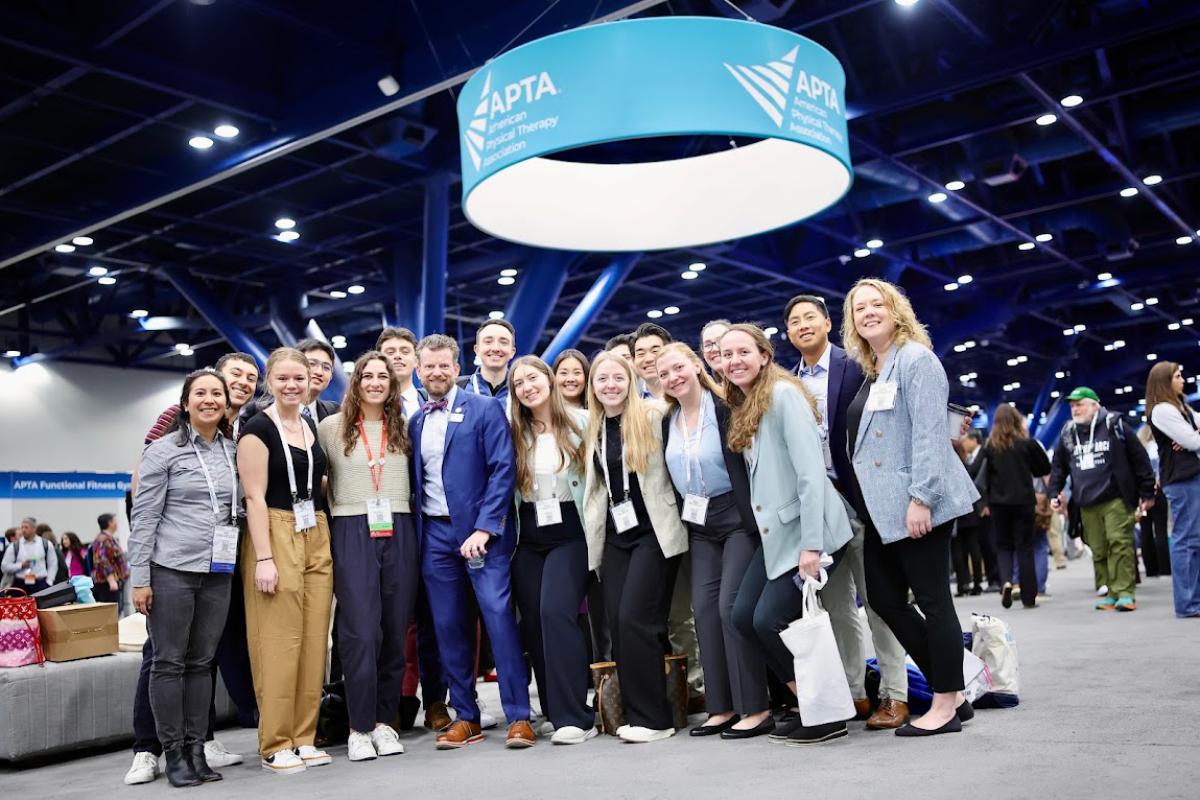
(12, 353)
(1046, 119)
(356, 289)
(950, 287)
(862, 252)
(1136, 306)
(82, 241)
(937, 197)
(495, 315)
(1080, 328)
(688, 275)
(288, 236)
(506, 281)
(1151, 356)
(1070, 101)
(875, 244)
(1060, 374)
(337, 294)
(654, 313)
(508, 273)
(200, 142)
(64, 248)
(963, 280)
(1183, 240)
(1151, 301)
(1055, 393)
(107, 280)
(1104, 276)
(906, 3)
(954, 186)
(181, 346)
(97, 271)
(1026, 246)
(671, 310)
(285, 223)
(1173, 326)
(770, 331)
(226, 131)
(698, 266)
(1129, 191)
(139, 313)
(1044, 237)
(1152, 180)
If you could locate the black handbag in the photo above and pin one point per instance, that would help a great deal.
(60, 594)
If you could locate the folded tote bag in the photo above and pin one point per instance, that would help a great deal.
(821, 687)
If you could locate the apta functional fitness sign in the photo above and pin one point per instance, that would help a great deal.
(679, 76)
(63, 485)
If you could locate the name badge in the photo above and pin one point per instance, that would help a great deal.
(624, 516)
(695, 509)
(224, 549)
(548, 511)
(306, 515)
(456, 417)
(1087, 461)
(882, 396)
(379, 517)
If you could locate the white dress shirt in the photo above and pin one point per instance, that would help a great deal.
(816, 380)
(410, 401)
(433, 448)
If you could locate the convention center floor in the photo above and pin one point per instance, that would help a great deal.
(1109, 708)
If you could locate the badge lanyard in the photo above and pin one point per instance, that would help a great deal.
(547, 510)
(1087, 458)
(225, 537)
(212, 490)
(624, 515)
(379, 509)
(303, 509)
(695, 506)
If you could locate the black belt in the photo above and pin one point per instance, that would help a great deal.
(436, 518)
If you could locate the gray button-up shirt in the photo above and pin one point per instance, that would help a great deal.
(172, 520)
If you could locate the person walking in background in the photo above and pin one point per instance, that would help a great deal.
(1111, 478)
(972, 531)
(1175, 430)
(31, 559)
(1153, 526)
(1013, 461)
(914, 487)
(75, 559)
(47, 533)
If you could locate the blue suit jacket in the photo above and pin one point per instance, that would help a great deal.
(845, 379)
(477, 470)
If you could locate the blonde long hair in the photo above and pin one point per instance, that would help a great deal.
(748, 407)
(706, 380)
(908, 327)
(637, 435)
(563, 427)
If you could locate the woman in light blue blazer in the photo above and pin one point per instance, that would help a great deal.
(550, 563)
(798, 513)
(914, 487)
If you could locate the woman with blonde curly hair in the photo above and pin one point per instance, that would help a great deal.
(798, 513)
(914, 487)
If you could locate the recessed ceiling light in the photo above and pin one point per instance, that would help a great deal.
(355, 289)
(1060, 374)
(654, 313)
(1183, 240)
(1026, 246)
(1068, 331)
(64, 248)
(338, 344)
(771, 331)
(1104, 276)
(1070, 101)
(82, 241)
(226, 131)
(200, 142)
(12, 353)
(963, 280)
(1080, 328)
(875, 244)
(285, 223)
(1187, 321)
(1173, 326)
(1055, 393)
(495, 315)
(506, 281)
(1151, 356)
(337, 294)
(862, 252)
(186, 353)
(1129, 191)
(906, 3)
(1136, 306)
(1151, 301)
(139, 313)
(1044, 237)
(960, 348)
(1152, 180)
(689, 275)
(288, 236)
(954, 186)
(181, 346)
(107, 280)
(937, 197)
(1046, 119)
(671, 310)
(508, 273)
(969, 343)
(1012, 362)
(97, 271)
(347, 367)
(950, 287)
(698, 266)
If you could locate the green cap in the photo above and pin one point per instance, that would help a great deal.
(1083, 393)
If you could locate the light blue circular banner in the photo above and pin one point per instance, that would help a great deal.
(675, 76)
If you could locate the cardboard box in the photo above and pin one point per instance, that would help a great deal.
(78, 631)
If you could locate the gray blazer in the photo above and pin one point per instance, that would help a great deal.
(905, 453)
(795, 504)
(657, 491)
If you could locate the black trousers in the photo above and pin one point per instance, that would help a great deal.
(375, 582)
(597, 619)
(1155, 554)
(638, 582)
(923, 565)
(1014, 534)
(968, 558)
(549, 583)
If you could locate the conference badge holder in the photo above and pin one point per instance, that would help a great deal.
(546, 509)
(695, 509)
(224, 549)
(882, 396)
(379, 517)
(305, 513)
(624, 516)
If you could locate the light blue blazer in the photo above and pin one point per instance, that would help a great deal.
(795, 504)
(904, 453)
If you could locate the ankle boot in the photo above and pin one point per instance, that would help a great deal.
(179, 769)
(196, 757)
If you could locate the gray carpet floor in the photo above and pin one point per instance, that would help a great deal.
(1110, 708)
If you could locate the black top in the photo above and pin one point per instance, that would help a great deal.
(854, 415)
(612, 426)
(279, 492)
(1122, 467)
(544, 538)
(1175, 467)
(1094, 485)
(1010, 472)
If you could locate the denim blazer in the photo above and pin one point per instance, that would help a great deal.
(795, 504)
(904, 453)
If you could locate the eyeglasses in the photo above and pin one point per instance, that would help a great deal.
(320, 366)
(711, 345)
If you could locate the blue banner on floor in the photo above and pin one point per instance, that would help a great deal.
(63, 485)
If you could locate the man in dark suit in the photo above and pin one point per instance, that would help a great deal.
(463, 482)
(833, 379)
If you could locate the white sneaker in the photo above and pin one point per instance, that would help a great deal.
(545, 728)
(622, 728)
(1102, 591)
(283, 762)
(640, 735)
(217, 756)
(313, 757)
(569, 734)
(144, 769)
(486, 720)
(386, 741)
(359, 747)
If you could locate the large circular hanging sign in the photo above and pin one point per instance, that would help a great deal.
(678, 76)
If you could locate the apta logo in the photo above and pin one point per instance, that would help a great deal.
(473, 138)
(529, 90)
(771, 85)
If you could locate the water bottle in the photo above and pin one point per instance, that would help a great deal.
(475, 563)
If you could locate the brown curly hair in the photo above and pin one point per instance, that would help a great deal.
(748, 407)
(393, 409)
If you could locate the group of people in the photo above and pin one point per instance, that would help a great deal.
(32, 558)
(504, 502)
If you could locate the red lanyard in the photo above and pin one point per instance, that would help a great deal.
(373, 464)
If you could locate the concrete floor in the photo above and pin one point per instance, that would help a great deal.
(1108, 709)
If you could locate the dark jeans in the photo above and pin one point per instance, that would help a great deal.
(549, 584)
(923, 565)
(638, 582)
(1014, 534)
(765, 607)
(186, 619)
(968, 558)
(1156, 554)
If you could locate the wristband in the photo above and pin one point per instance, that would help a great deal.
(268, 558)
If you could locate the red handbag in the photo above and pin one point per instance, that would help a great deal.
(20, 633)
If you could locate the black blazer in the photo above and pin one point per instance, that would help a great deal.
(735, 465)
(845, 379)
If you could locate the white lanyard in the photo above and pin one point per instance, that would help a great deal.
(287, 453)
(212, 491)
(687, 447)
(604, 465)
(1091, 434)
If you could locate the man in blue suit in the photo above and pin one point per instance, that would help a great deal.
(834, 379)
(463, 482)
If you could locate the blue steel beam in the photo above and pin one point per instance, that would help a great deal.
(404, 308)
(540, 283)
(220, 319)
(432, 312)
(591, 305)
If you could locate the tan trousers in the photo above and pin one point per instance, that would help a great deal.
(287, 632)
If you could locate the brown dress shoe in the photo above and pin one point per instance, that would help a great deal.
(862, 709)
(890, 714)
(520, 735)
(459, 734)
(437, 717)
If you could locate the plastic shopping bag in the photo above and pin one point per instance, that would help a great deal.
(821, 688)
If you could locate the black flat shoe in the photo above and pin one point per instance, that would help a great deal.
(179, 770)
(784, 728)
(952, 726)
(761, 729)
(1006, 595)
(713, 730)
(199, 762)
(816, 734)
(965, 711)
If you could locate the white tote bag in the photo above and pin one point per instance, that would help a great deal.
(992, 641)
(821, 684)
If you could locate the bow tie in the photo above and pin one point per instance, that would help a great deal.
(434, 405)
